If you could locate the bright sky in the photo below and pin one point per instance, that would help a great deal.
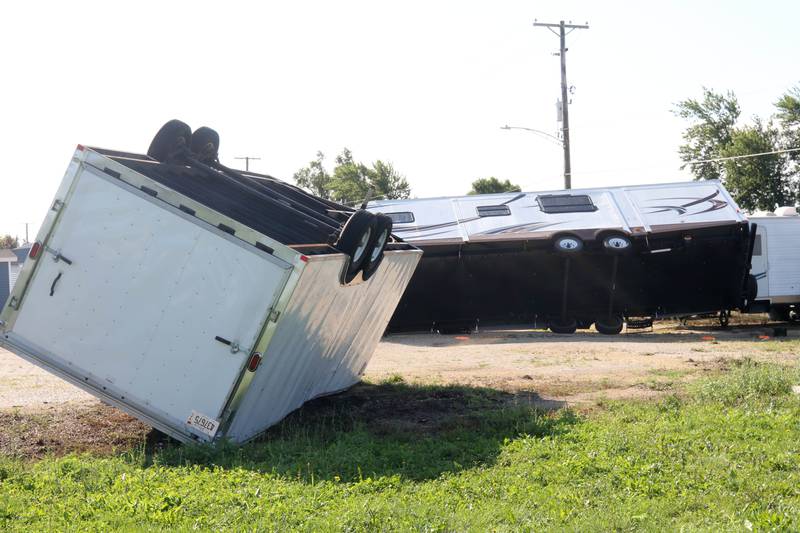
(425, 85)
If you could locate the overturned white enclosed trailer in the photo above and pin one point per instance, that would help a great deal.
(206, 302)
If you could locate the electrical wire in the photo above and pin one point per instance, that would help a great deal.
(787, 150)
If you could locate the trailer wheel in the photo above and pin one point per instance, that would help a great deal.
(779, 314)
(568, 244)
(563, 326)
(617, 243)
(724, 318)
(609, 325)
(170, 140)
(354, 240)
(205, 144)
(383, 230)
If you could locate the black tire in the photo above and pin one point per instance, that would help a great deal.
(173, 138)
(354, 241)
(205, 144)
(563, 327)
(779, 314)
(609, 325)
(567, 244)
(380, 237)
(724, 318)
(617, 243)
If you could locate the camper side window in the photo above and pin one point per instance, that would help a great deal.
(565, 203)
(757, 245)
(493, 211)
(405, 217)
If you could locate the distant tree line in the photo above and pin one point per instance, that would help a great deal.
(715, 133)
(350, 181)
(492, 185)
(7, 241)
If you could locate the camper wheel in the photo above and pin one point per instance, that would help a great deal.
(354, 241)
(616, 243)
(724, 318)
(564, 326)
(568, 244)
(380, 238)
(170, 140)
(779, 314)
(611, 325)
(205, 144)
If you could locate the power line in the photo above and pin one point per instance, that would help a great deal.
(562, 34)
(787, 150)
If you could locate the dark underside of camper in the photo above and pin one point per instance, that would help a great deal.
(275, 208)
(671, 273)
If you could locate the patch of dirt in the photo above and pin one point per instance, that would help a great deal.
(581, 368)
(69, 428)
(28, 387)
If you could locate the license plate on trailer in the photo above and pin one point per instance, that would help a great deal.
(202, 423)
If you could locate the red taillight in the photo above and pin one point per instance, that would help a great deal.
(35, 249)
(304, 258)
(254, 361)
(81, 148)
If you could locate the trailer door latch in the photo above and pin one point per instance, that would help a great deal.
(273, 315)
(234, 345)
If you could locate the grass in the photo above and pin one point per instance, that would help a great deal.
(720, 455)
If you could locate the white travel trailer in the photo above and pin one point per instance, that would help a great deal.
(776, 263)
(573, 257)
(206, 302)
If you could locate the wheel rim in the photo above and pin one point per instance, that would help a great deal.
(568, 243)
(618, 243)
(362, 246)
(376, 251)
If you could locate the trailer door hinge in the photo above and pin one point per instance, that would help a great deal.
(273, 315)
(57, 205)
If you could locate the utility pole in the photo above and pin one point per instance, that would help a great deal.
(562, 34)
(247, 160)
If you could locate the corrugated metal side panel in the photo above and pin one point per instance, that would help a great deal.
(323, 340)
(783, 256)
(5, 286)
(15, 268)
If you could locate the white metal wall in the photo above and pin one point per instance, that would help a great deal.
(783, 255)
(137, 311)
(324, 338)
(621, 208)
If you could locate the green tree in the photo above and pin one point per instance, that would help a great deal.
(492, 185)
(757, 182)
(314, 177)
(789, 119)
(762, 182)
(351, 181)
(713, 120)
(7, 241)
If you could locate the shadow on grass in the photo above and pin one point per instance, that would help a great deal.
(414, 431)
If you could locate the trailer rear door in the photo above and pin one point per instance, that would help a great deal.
(144, 303)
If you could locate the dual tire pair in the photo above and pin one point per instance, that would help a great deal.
(176, 137)
(364, 238)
